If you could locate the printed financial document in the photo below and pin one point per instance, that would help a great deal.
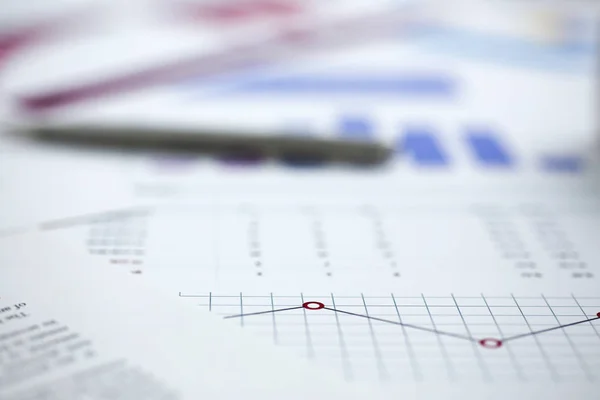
(69, 330)
(467, 266)
(481, 292)
(469, 263)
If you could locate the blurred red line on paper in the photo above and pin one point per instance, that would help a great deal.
(12, 42)
(19, 39)
(241, 10)
(312, 36)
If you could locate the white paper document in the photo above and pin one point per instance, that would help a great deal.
(71, 330)
(486, 298)
(467, 267)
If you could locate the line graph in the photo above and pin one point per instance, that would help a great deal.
(484, 342)
(393, 337)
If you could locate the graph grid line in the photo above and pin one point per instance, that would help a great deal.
(395, 337)
(490, 343)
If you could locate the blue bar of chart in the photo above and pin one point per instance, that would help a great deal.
(562, 163)
(488, 150)
(356, 128)
(423, 147)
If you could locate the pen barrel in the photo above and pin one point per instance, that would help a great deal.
(275, 145)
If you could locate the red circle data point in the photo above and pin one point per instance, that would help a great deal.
(491, 343)
(598, 315)
(313, 305)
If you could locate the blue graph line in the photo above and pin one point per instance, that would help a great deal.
(401, 85)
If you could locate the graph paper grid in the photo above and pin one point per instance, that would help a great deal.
(357, 339)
